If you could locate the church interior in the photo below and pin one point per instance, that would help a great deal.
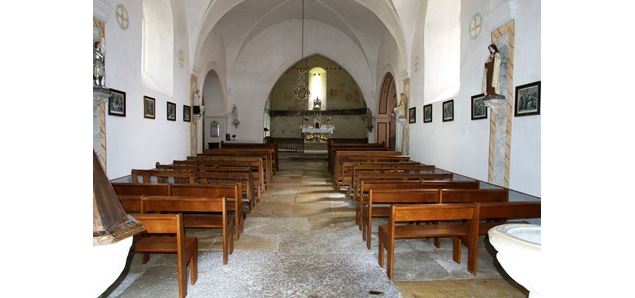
(286, 136)
(317, 148)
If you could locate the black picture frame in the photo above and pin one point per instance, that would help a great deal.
(427, 113)
(117, 103)
(479, 109)
(187, 113)
(527, 101)
(412, 115)
(447, 111)
(149, 107)
(171, 111)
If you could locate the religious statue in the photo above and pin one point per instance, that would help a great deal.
(98, 65)
(491, 73)
(403, 105)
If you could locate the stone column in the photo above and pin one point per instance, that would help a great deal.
(498, 150)
(100, 97)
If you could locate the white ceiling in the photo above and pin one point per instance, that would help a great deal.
(365, 22)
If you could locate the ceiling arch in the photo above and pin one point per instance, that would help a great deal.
(243, 19)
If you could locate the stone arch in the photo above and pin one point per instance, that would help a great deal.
(215, 109)
(386, 118)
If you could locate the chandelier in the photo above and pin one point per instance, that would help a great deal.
(301, 87)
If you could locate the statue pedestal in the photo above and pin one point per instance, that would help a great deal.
(496, 103)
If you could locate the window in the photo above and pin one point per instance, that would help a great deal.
(442, 50)
(157, 48)
(317, 87)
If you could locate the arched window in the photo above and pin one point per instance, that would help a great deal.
(317, 87)
(442, 50)
(157, 48)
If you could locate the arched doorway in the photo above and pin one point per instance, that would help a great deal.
(386, 120)
(215, 117)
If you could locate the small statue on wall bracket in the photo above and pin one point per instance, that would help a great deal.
(98, 65)
(491, 72)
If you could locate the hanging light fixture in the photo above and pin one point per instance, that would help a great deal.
(301, 86)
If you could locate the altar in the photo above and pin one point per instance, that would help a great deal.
(317, 135)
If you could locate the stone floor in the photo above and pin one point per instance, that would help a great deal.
(302, 241)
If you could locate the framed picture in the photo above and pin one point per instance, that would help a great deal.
(427, 113)
(117, 103)
(448, 110)
(479, 109)
(148, 107)
(187, 113)
(527, 99)
(171, 111)
(412, 115)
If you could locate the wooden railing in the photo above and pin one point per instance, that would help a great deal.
(287, 144)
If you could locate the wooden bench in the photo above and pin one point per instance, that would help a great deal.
(350, 169)
(334, 147)
(264, 155)
(232, 192)
(367, 185)
(162, 176)
(442, 219)
(256, 166)
(381, 156)
(185, 248)
(261, 164)
(391, 197)
(215, 175)
(198, 212)
(354, 188)
(273, 147)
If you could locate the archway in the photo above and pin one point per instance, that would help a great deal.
(215, 117)
(342, 105)
(386, 120)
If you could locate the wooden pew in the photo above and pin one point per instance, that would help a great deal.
(233, 193)
(186, 248)
(443, 219)
(274, 147)
(208, 213)
(216, 175)
(391, 197)
(366, 185)
(334, 147)
(131, 189)
(220, 176)
(266, 172)
(257, 167)
(162, 176)
(266, 156)
(359, 156)
(492, 214)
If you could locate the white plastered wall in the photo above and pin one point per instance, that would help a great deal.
(462, 145)
(134, 141)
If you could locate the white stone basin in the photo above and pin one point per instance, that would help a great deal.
(518, 247)
(108, 262)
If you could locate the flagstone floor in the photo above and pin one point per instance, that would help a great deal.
(302, 241)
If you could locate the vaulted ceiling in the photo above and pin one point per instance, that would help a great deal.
(239, 21)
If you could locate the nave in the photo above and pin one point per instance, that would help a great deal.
(302, 241)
